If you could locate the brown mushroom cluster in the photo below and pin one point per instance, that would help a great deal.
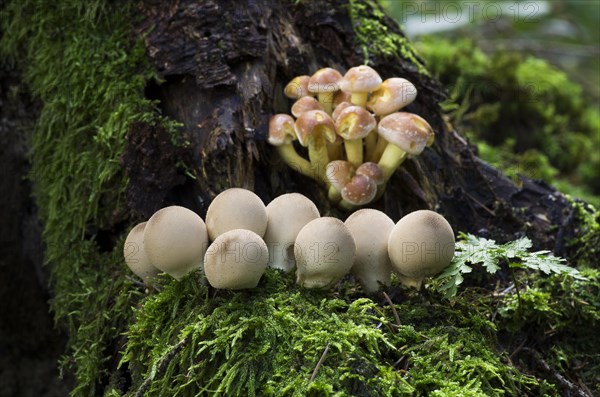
(242, 237)
(352, 128)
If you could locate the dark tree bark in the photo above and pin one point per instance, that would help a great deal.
(30, 345)
(224, 67)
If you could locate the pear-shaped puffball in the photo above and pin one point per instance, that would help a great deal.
(175, 240)
(324, 252)
(236, 208)
(135, 254)
(287, 215)
(420, 245)
(236, 260)
(371, 230)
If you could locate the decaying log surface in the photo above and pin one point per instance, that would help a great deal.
(224, 66)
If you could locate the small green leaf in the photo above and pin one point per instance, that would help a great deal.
(472, 250)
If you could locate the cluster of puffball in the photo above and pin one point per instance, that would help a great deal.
(360, 112)
(246, 237)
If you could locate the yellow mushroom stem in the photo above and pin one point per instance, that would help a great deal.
(359, 98)
(391, 159)
(295, 161)
(334, 150)
(326, 100)
(354, 151)
(334, 195)
(371, 144)
(347, 123)
(318, 156)
(379, 149)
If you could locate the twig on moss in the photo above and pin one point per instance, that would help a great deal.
(402, 360)
(136, 282)
(506, 290)
(389, 301)
(518, 349)
(314, 373)
(162, 365)
(387, 324)
(574, 390)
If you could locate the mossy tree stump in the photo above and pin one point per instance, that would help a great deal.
(175, 110)
(224, 67)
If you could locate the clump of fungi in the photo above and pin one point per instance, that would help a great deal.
(349, 124)
(242, 237)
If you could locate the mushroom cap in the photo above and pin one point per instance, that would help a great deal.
(406, 130)
(421, 244)
(236, 208)
(361, 78)
(312, 124)
(305, 104)
(324, 252)
(175, 240)
(281, 129)
(338, 109)
(354, 122)
(287, 215)
(371, 230)
(371, 170)
(297, 87)
(236, 260)
(360, 190)
(339, 173)
(135, 254)
(324, 80)
(340, 97)
(394, 94)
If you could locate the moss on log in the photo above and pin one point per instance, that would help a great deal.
(174, 111)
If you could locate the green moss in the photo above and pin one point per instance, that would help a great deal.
(562, 315)
(268, 341)
(584, 245)
(523, 105)
(530, 163)
(375, 39)
(264, 342)
(77, 59)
